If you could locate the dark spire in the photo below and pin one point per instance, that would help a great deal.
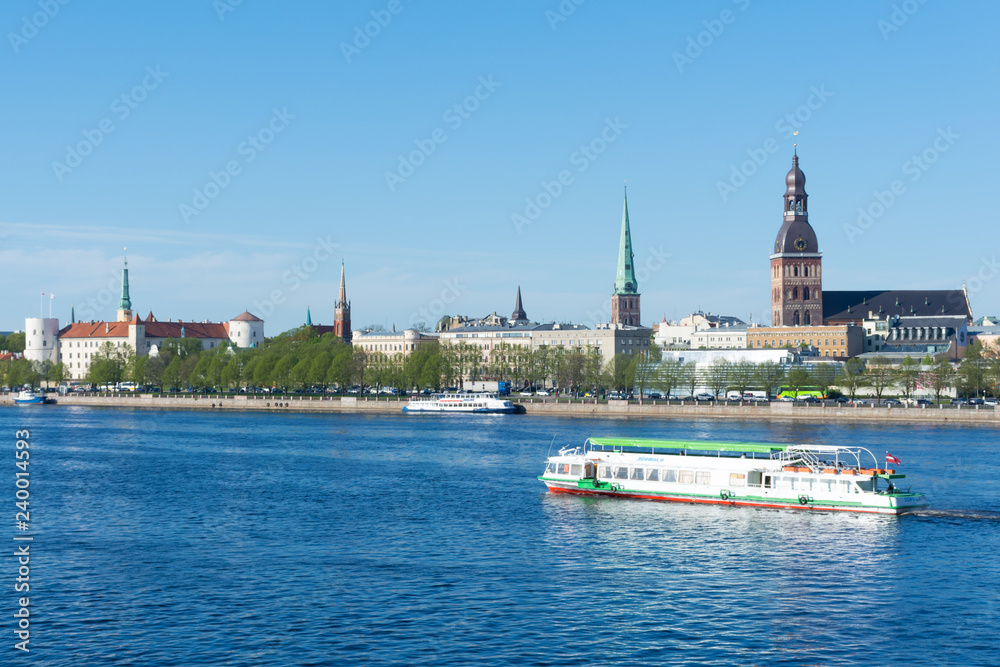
(518, 315)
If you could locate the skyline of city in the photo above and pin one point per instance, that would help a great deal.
(694, 106)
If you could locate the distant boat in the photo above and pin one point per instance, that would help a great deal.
(807, 477)
(28, 397)
(478, 403)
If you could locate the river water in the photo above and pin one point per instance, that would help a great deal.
(198, 538)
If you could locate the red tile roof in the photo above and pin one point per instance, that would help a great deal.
(154, 329)
(246, 316)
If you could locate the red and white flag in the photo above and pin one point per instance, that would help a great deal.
(889, 458)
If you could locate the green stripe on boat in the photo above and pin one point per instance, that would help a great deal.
(690, 445)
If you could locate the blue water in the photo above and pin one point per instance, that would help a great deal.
(190, 538)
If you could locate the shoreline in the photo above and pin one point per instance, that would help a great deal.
(721, 411)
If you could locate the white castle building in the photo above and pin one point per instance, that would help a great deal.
(75, 344)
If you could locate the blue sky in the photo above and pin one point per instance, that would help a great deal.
(242, 149)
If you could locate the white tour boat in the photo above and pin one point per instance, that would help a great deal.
(28, 397)
(812, 477)
(479, 403)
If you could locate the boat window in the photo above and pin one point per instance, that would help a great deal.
(702, 477)
(652, 475)
(767, 481)
(605, 472)
(550, 467)
(563, 468)
(737, 479)
(576, 469)
(669, 475)
(685, 476)
(865, 485)
(637, 473)
(621, 473)
(783, 483)
(826, 485)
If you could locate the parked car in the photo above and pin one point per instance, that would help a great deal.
(542, 392)
(976, 401)
(923, 401)
(759, 399)
(526, 392)
(810, 399)
(655, 395)
(860, 401)
(891, 401)
(704, 397)
(959, 401)
(843, 399)
(991, 401)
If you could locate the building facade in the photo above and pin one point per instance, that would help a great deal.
(840, 341)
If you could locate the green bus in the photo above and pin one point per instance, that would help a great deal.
(788, 392)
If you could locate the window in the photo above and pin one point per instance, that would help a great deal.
(563, 468)
(605, 472)
(737, 479)
(621, 473)
(576, 469)
(637, 473)
(702, 477)
(685, 476)
(653, 475)
(550, 467)
(669, 475)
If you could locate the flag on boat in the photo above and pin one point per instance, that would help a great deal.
(889, 458)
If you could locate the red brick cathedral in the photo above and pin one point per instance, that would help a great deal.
(797, 263)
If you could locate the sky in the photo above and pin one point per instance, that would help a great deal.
(448, 152)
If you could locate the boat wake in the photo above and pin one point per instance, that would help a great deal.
(976, 515)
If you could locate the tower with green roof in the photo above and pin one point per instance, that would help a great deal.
(625, 299)
(125, 304)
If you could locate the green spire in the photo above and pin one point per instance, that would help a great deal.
(309, 319)
(625, 282)
(125, 303)
(72, 315)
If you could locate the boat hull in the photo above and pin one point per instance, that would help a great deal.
(814, 505)
(493, 411)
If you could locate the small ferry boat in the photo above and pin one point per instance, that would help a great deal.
(482, 402)
(809, 477)
(28, 397)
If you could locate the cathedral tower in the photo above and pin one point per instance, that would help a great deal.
(797, 263)
(625, 300)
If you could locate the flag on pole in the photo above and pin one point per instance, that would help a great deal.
(51, 295)
(889, 458)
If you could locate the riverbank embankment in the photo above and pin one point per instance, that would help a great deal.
(538, 406)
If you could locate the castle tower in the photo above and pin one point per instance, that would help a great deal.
(342, 313)
(125, 305)
(518, 316)
(625, 300)
(41, 339)
(797, 263)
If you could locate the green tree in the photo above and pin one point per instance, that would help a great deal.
(852, 376)
(689, 377)
(742, 374)
(907, 375)
(798, 377)
(718, 376)
(770, 376)
(880, 374)
(15, 342)
(942, 376)
(618, 368)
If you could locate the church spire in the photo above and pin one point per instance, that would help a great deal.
(342, 312)
(518, 315)
(309, 319)
(625, 282)
(125, 304)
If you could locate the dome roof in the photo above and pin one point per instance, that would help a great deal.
(795, 180)
(796, 236)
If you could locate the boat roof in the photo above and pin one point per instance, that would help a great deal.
(690, 445)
